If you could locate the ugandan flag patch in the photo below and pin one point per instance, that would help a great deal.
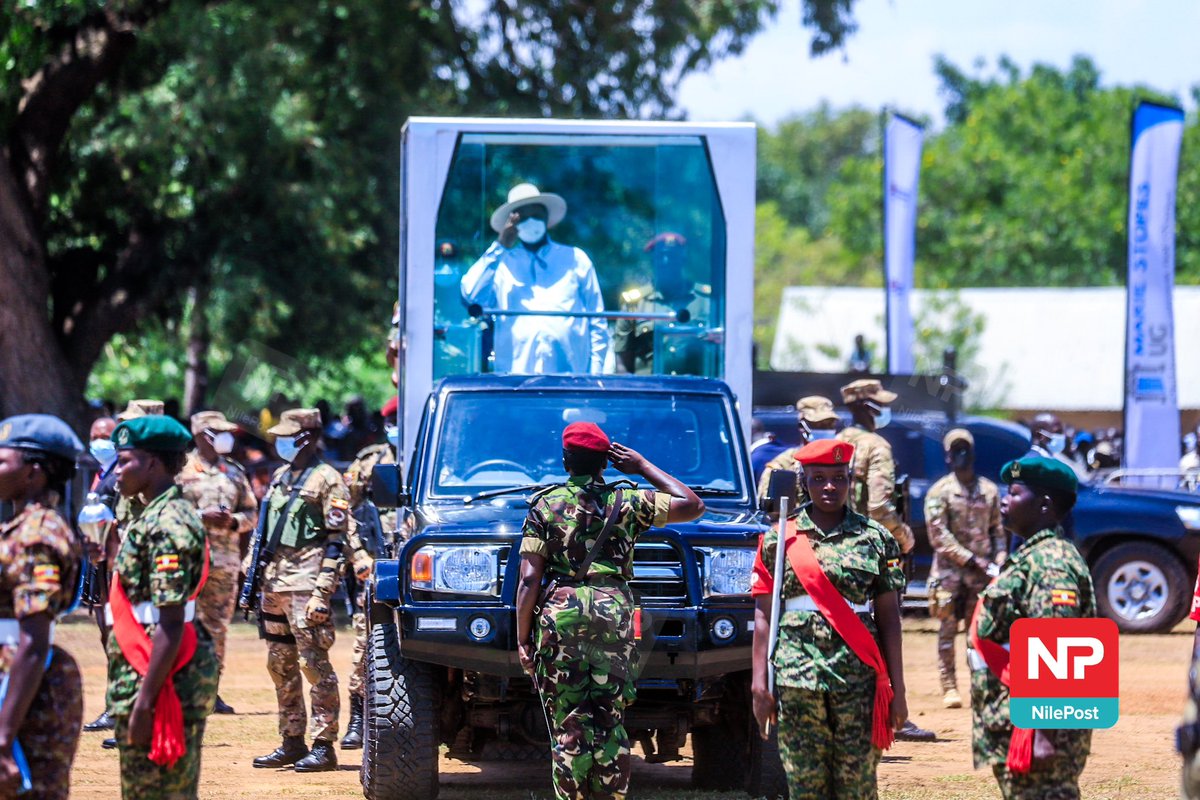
(46, 573)
(893, 563)
(168, 562)
(1064, 597)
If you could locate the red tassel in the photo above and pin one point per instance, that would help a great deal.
(167, 743)
(1020, 751)
(882, 734)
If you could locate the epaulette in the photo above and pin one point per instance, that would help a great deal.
(235, 464)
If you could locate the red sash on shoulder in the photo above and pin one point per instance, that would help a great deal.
(845, 623)
(1020, 746)
(167, 744)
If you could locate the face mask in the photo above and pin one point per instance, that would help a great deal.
(885, 416)
(1057, 443)
(393, 435)
(104, 451)
(960, 459)
(818, 434)
(222, 442)
(531, 231)
(286, 447)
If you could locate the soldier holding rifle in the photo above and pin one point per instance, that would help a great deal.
(837, 662)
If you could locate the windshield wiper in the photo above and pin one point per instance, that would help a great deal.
(715, 491)
(529, 487)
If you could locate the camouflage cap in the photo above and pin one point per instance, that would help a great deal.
(815, 408)
(957, 435)
(141, 408)
(867, 389)
(211, 421)
(295, 420)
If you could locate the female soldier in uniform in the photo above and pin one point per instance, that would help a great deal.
(39, 569)
(162, 667)
(838, 665)
(582, 658)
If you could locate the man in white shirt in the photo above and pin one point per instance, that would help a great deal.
(524, 270)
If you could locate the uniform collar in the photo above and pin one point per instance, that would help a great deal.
(851, 523)
(1036, 539)
(19, 519)
(581, 480)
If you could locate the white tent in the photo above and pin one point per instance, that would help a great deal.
(1058, 349)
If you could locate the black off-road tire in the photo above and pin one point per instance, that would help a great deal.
(400, 745)
(1159, 569)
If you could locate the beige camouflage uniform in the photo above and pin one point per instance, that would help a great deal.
(811, 410)
(875, 483)
(302, 569)
(963, 522)
(220, 485)
(358, 478)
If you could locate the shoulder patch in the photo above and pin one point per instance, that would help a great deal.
(46, 573)
(893, 563)
(168, 562)
(1064, 597)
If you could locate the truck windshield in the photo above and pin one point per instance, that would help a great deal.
(477, 449)
(620, 269)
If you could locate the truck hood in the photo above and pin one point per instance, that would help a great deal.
(507, 517)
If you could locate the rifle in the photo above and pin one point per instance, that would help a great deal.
(370, 529)
(249, 598)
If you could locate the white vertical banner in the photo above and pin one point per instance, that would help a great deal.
(1151, 400)
(902, 140)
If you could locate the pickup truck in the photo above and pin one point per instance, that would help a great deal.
(1141, 544)
(442, 664)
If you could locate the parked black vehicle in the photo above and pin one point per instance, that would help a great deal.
(1142, 544)
(442, 660)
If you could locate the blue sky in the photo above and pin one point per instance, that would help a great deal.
(889, 61)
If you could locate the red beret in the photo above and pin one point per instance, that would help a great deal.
(585, 436)
(390, 407)
(825, 452)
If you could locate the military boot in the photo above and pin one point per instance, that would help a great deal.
(291, 751)
(353, 740)
(321, 758)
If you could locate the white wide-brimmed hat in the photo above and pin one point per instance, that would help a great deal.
(524, 194)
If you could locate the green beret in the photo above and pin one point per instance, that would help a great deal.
(164, 434)
(1044, 473)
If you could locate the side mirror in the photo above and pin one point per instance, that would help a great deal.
(386, 491)
(782, 483)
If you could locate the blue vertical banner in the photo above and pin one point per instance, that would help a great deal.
(1151, 400)
(902, 139)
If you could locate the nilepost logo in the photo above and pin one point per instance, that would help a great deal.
(1064, 673)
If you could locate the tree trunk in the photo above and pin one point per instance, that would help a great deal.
(34, 373)
(195, 379)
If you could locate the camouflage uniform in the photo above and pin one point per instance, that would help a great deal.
(633, 339)
(301, 570)
(358, 479)
(39, 569)
(963, 522)
(161, 561)
(585, 661)
(1045, 577)
(826, 693)
(220, 485)
(875, 482)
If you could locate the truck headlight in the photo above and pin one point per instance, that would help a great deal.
(727, 570)
(1189, 516)
(457, 569)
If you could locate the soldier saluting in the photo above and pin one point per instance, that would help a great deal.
(306, 516)
(581, 536)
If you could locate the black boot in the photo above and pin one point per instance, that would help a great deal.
(353, 739)
(321, 758)
(109, 744)
(911, 733)
(291, 751)
(101, 723)
(222, 707)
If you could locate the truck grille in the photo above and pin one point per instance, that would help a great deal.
(658, 573)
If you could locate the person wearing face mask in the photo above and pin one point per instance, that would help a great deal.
(362, 541)
(307, 516)
(962, 516)
(816, 420)
(525, 270)
(217, 486)
(1049, 440)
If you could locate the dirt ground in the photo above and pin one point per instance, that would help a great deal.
(1133, 760)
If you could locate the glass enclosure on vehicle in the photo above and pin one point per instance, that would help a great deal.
(630, 277)
(689, 436)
